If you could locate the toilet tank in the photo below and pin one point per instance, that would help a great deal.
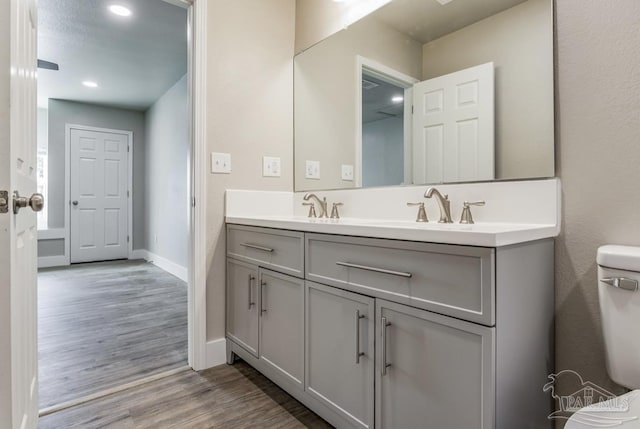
(618, 280)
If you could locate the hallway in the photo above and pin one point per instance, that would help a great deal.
(101, 325)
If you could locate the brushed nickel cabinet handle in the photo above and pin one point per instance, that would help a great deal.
(374, 269)
(262, 309)
(385, 365)
(256, 247)
(359, 354)
(251, 279)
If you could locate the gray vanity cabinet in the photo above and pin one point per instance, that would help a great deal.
(340, 352)
(282, 324)
(243, 304)
(433, 371)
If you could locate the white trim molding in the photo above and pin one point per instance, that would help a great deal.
(52, 261)
(216, 352)
(169, 266)
(198, 163)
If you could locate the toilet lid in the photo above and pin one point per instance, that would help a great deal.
(601, 415)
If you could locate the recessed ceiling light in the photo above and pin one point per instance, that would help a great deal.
(443, 2)
(397, 99)
(90, 84)
(119, 10)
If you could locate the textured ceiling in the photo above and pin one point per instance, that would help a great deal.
(133, 59)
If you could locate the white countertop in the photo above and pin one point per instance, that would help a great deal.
(484, 234)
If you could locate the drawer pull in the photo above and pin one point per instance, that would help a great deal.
(374, 269)
(359, 354)
(256, 247)
(385, 365)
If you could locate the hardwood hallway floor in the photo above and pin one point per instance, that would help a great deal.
(234, 397)
(104, 324)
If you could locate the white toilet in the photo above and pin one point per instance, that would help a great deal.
(619, 293)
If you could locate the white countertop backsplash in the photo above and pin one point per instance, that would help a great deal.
(515, 211)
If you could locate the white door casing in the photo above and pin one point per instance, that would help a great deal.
(453, 127)
(18, 232)
(99, 185)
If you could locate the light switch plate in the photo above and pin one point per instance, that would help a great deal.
(347, 172)
(313, 170)
(270, 166)
(220, 162)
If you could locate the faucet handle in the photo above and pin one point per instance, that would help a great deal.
(312, 209)
(466, 217)
(422, 213)
(334, 211)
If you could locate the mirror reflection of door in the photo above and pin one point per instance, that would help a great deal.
(453, 127)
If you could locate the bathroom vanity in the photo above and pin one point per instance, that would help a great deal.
(395, 333)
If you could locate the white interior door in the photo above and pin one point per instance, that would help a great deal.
(453, 127)
(18, 233)
(98, 192)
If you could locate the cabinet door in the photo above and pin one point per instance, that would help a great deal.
(282, 324)
(242, 304)
(433, 371)
(340, 351)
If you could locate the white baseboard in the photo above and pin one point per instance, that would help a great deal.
(52, 261)
(139, 254)
(169, 266)
(216, 352)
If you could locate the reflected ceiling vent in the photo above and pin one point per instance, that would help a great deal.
(367, 84)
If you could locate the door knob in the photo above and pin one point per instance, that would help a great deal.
(75, 203)
(36, 202)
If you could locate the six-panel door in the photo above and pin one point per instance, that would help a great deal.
(282, 324)
(340, 351)
(433, 371)
(243, 304)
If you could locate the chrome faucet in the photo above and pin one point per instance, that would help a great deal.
(322, 203)
(443, 203)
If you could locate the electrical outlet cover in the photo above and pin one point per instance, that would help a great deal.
(270, 166)
(347, 172)
(220, 162)
(312, 170)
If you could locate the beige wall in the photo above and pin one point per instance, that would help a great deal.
(598, 151)
(318, 19)
(520, 43)
(325, 90)
(250, 114)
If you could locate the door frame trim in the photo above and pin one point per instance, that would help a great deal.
(67, 184)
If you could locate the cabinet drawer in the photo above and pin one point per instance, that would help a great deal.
(458, 281)
(278, 250)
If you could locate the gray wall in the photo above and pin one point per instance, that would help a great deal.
(166, 198)
(62, 112)
(383, 152)
(598, 149)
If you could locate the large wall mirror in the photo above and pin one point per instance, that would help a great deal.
(428, 91)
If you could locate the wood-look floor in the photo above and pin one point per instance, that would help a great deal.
(102, 325)
(234, 396)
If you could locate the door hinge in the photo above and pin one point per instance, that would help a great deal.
(128, 148)
(193, 201)
(412, 109)
(128, 194)
(4, 201)
(127, 238)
